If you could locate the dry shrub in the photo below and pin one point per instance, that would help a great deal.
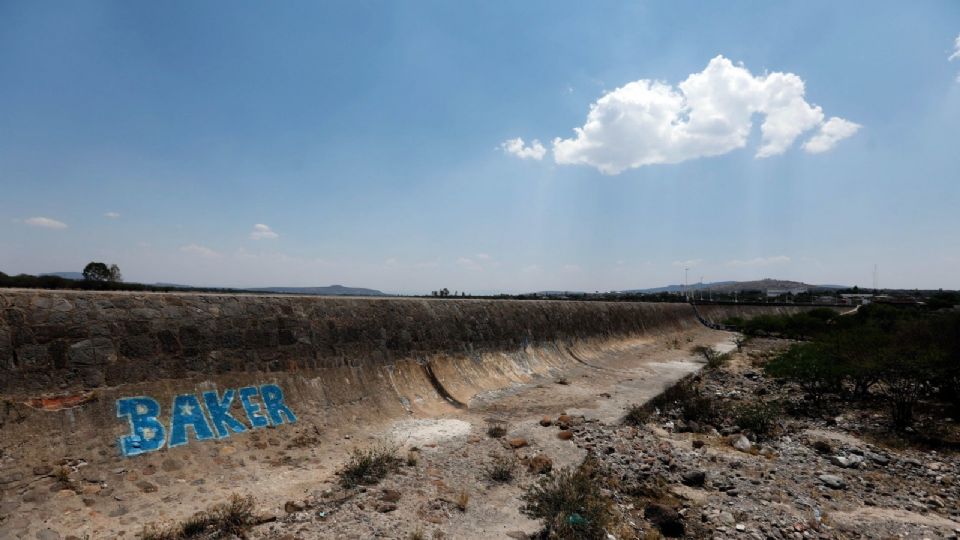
(502, 468)
(571, 504)
(62, 474)
(230, 519)
(637, 415)
(760, 418)
(496, 428)
(369, 466)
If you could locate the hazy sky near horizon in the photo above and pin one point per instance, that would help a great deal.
(482, 146)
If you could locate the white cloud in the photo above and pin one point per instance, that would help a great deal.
(427, 264)
(831, 132)
(262, 232)
(202, 251)
(516, 147)
(760, 261)
(956, 53)
(572, 268)
(710, 113)
(469, 263)
(478, 261)
(111, 215)
(688, 264)
(45, 223)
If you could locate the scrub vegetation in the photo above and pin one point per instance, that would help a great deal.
(908, 358)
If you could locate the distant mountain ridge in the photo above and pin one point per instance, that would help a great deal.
(332, 290)
(717, 286)
(737, 286)
(65, 275)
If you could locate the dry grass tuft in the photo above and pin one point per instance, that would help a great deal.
(497, 428)
(369, 466)
(462, 500)
(62, 474)
(230, 519)
(502, 469)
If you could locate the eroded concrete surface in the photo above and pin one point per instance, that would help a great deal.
(109, 496)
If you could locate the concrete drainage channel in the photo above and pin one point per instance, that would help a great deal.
(208, 395)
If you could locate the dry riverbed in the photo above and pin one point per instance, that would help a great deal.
(811, 478)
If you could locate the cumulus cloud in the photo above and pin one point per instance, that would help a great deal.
(688, 264)
(517, 148)
(262, 232)
(830, 133)
(760, 261)
(45, 223)
(956, 53)
(469, 263)
(478, 261)
(111, 215)
(648, 122)
(202, 251)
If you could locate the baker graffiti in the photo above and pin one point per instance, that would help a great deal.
(211, 420)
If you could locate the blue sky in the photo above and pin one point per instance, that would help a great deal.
(367, 140)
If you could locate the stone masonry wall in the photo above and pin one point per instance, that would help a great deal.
(53, 341)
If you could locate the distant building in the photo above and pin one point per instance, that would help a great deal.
(905, 300)
(773, 293)
(857, 299)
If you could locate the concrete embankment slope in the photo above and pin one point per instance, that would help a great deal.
(718, 313)
(54, 341)
(159, 404)
(67, 359)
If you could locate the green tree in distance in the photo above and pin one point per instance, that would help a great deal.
(98, 271)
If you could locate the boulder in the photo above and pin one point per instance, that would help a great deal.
(665, 518)
(847, 462)
(390, 495)
(519, 442)
(540, 464)
(832, 481)
(741, 443)
(694, 478)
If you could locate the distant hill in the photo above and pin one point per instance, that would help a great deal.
(332, 290)
(66, 275)
(679, 288)
(737, 286)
